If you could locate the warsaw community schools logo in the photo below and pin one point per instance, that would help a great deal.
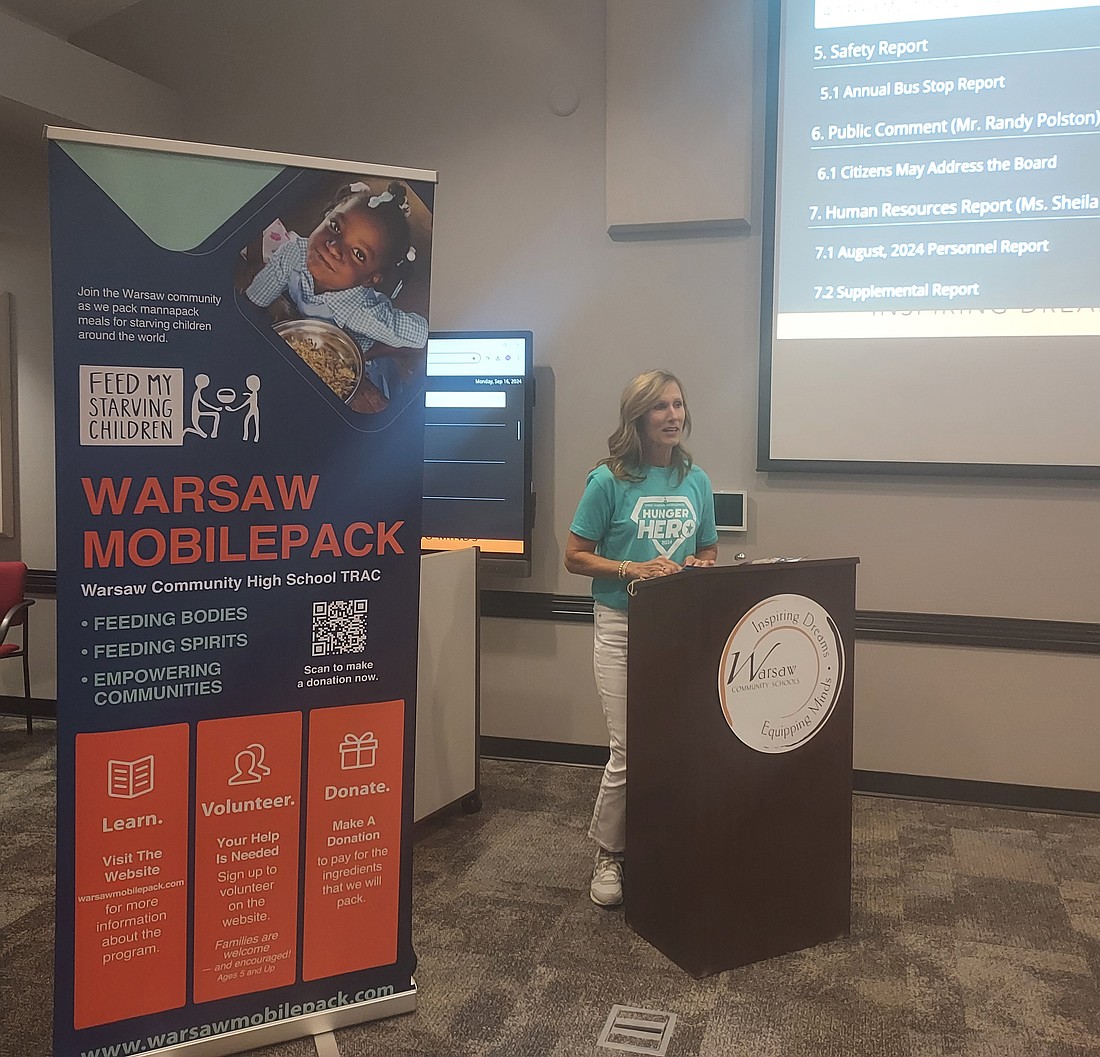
(781, 673)
(666, 520)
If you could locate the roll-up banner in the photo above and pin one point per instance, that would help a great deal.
(239, 362)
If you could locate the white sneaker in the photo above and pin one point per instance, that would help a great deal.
(606, 888)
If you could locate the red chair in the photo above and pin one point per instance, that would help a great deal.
(13, 581)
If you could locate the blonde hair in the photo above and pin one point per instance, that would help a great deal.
(625, 451)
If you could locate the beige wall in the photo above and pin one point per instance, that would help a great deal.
(25, 274)
(521, 242)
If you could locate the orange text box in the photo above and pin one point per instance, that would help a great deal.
(248, 778)
(450, 543)
(353, 838)
(130, 929)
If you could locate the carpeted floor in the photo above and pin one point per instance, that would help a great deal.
(976, 932)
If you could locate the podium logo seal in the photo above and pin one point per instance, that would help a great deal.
(780, 673)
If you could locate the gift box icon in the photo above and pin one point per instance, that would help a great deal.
(358, 751)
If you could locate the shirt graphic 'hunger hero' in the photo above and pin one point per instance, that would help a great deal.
(666, 520)
(660, 516)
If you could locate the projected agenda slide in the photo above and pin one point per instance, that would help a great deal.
(931, 297)
(938, 169)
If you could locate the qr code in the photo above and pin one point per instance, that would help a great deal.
(339, 627)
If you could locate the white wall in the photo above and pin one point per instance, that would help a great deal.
(521, 242)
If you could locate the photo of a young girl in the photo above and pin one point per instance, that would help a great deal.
(364, 269)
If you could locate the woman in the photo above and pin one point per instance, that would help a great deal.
(646, 511)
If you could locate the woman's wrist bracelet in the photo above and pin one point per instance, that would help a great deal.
(622, 568)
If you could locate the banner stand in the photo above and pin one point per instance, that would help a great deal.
(239, 375)
(298, 1027)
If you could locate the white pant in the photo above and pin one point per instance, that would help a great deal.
(608, 827)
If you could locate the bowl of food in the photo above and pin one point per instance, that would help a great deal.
(328, 351)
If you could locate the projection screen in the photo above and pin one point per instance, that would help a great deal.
(932, 215)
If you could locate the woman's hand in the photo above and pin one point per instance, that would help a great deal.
(703, 557)
(649, 570)
(581, 557)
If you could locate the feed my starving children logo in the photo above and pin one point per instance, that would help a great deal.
(780, 673)
(666, 520)
(153, 407)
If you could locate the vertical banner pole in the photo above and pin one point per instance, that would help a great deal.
(239, 364)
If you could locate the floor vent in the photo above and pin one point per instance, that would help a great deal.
(632, 1030)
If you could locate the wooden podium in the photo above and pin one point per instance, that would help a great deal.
(739, 742)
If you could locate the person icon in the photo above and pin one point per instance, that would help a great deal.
(201, 408)
(250, 767)
(258, 749)
(252, 403)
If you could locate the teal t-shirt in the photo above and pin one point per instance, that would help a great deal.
(641, 520)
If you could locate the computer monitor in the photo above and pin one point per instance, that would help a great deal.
(479, 404)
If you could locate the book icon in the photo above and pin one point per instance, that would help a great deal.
(128, 779)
